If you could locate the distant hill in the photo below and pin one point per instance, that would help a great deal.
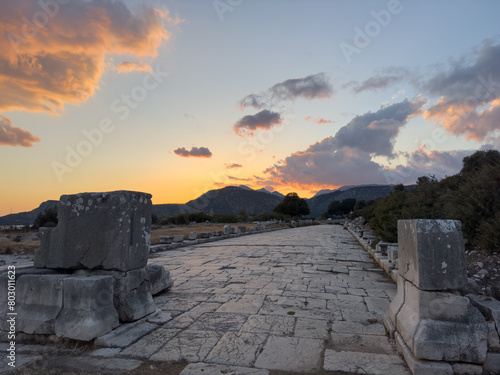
(231, 199)
(28, 217)
(319, 203)
(228, 200)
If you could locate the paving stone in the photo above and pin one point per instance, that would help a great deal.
(212, 369)
(364, 363)
(245, 305)
(291, 354)
(311, 328)
(237, 348)
(151, 343)
(105, 352)
(220, 322)
(95, 364)
(378, 305)
(191, 345)
(364, 328)
(184, 320)
(361, 343)
(125, 334)
(275, 325)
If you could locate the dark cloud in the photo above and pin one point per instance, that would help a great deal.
(196, 152)
(376, 83)
(316, 86)
(469, 92)
(238, 179)
(13, 136)
(345, 166)
(373, 132)
(233, 165)
(265, 120)
(348, 166)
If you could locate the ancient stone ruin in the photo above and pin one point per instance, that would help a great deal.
(90, 273)
(436, 327)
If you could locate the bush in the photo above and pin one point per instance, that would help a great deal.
(292, 205)
(48, 218)
(471, 196)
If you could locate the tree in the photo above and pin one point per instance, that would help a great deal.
(48, 218)
(344, 207)
(292, 205)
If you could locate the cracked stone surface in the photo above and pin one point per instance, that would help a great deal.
(364, 363)
(237, 348)
(275, 300)
(291, 354)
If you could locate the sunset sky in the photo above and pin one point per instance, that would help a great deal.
(179, 97)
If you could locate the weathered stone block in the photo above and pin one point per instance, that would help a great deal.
(398, 301)
(242, 228)
(466, 369)
(383, 246)
(489, 306)
(441, 326)
(99, 231)
(43, 251)
(492, 363)
(131, 292)
(234, 230)
(178, 238)
(217, 233)
(204, 235)
(227, 229)
(192, 236)
(159, 279)
(392, 253)
(420, 366)
(432, 253)
(88, 310)
(40, 301)
(4, 289)
(165, 239)
(132, 297)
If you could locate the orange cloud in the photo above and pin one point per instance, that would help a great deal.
(52, 54)
(130, 66)
(13, 136)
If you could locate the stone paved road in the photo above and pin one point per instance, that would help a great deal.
(297, 300)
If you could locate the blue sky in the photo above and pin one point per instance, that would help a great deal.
(191, 64)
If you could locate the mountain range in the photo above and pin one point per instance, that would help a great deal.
(230, 200)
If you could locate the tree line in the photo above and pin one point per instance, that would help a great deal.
(471, 196)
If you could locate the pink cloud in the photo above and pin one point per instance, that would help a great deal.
(56, 54)
(13, 136)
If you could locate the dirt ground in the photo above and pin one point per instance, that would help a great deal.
(172, 230)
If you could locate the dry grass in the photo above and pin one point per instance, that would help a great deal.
(10, 247)
(186, 229)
